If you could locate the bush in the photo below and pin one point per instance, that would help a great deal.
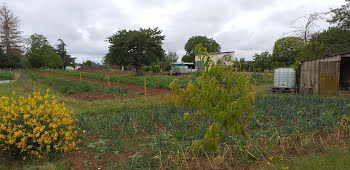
(147, 68)
(5, 75)
(117, 90)
(156, 68)
(35, 125)
(221, 94)
(260, 78)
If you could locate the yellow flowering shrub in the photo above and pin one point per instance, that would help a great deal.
(35, 125)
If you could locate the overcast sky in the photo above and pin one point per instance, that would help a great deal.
(244, 26)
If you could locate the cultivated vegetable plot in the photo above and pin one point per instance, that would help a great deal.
(151, 81)
(71, 86)
(6, 75)
(159, 136)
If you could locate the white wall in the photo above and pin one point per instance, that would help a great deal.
(220, 56)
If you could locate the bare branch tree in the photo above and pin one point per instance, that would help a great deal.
(10, 36)
(305, 31)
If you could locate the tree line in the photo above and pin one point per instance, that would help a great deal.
(289, 51)
(32, 52)
(143, 47)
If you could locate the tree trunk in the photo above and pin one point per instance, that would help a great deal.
(139, 71)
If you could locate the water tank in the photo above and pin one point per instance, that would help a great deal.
(184, 70)
(284, 78)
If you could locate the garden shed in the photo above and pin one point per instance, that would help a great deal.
(328, 76)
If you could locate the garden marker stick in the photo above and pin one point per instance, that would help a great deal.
(145, 86)
(158, 84)
(109, 84)
(80, 76)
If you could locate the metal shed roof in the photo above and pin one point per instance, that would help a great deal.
(343, 54)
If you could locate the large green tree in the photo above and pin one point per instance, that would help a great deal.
(9, 60)
(171, 57)
(136, 48)
(10, 39)
(262, 61)
(334, 40)
(210, 44)
(41, 53)
(62, 52)
(286, 50)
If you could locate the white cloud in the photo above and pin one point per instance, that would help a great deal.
(246, 26)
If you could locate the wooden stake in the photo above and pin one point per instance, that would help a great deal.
(158, 84)
(80, 76)
(109, 84)
(145, 86)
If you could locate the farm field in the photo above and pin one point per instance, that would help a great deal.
(121, 128)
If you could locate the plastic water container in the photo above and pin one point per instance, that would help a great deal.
(284, 78)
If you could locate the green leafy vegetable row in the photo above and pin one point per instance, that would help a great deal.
(151, 81)
(71, 86)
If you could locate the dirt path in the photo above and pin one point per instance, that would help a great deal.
(134, 90)
(26, 83)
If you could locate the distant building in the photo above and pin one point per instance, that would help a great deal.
(225, 57)
(182, 68)
(72, 68)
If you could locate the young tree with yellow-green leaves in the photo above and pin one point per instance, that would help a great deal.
(221, 93)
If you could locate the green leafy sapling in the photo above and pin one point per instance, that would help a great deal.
(220, 93)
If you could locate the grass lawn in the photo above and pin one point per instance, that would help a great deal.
(6, 89)
(334, 158)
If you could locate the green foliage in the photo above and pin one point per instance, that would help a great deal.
(62, 52)
(262, 62)
(286, 50)
(333, 40)
(260, 78)
(117, 90)
(9, 60)
(156, 68)
(193, 42)
(41, 53)
(136, 48)
(222, 94)
(170, 58)
(341, 17)
(279, 125)
(152, 81)
(147, 68)
(71, 86)
(243, 65)
(89, 63)
(313, 49)
(5, 75)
